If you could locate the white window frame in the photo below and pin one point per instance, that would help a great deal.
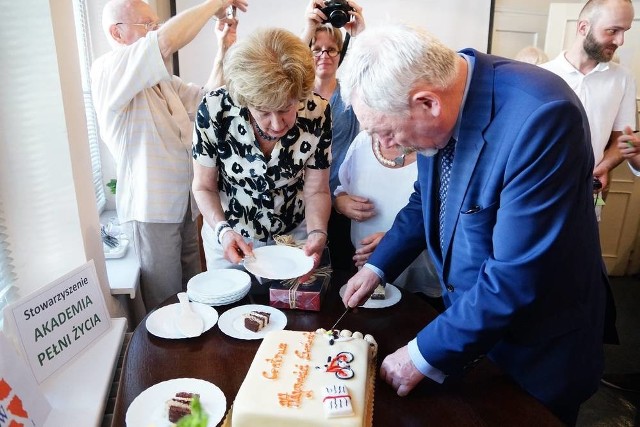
(85, 51)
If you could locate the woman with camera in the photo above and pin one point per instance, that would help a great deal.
(261, 148)
(323, 20)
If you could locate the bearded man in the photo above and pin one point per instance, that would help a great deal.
(606, 89)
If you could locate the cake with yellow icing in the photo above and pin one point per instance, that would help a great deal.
(308, 378)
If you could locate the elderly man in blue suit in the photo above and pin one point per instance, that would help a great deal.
(504, 204)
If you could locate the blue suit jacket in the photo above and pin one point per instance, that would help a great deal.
(523, 274)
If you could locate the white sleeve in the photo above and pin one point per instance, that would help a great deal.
(627, 112)
(346, 168)
(118, 76)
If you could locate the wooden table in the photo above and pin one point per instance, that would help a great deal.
(484, 397)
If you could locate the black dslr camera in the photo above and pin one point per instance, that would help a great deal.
(337, 12)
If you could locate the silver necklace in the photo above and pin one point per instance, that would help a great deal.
(261, 133)
(398, 161)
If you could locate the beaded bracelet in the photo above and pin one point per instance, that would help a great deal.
(219, 226)
(318, 231)
(223, 232)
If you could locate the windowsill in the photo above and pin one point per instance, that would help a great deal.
(123, 273)
(78, 392)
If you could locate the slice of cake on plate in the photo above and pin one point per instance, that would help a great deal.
(180, 405)
(378, 293)
(256, 320)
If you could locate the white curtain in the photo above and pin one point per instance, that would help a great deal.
(46, 185)
(7, 276)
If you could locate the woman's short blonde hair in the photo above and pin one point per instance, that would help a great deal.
(269, 69)
(334, 33)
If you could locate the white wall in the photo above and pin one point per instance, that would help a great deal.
(458, 23)
(520, 23)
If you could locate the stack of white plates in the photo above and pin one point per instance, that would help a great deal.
(219, 287)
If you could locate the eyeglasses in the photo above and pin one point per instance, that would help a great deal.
(331, 52)
(149, 26)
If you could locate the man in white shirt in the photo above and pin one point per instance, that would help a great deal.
(145, 116)
(606, 89)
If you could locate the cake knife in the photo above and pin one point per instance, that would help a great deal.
(340, 318)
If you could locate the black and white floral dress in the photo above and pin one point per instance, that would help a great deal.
(261, 197)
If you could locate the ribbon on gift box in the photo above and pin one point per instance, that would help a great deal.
(294, 284)
(287, 240)
(292, 295)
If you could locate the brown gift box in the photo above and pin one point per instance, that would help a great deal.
(302, 296)
(308, 296)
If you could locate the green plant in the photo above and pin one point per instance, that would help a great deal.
(197, 418)
(112, 186)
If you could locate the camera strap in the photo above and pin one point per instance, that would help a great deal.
(345, 45)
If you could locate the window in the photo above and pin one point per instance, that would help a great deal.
(85, 52)
(49, 207)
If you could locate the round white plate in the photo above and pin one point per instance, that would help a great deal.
(232, 321)
(219, 283)
(392, 296)
(162, 322)
(279, 262)
(149, 407)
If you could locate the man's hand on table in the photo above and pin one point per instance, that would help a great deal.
(360, 287)
(399, 371)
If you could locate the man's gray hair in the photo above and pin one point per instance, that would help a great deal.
(385, 63)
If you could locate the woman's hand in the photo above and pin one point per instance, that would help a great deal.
(314, 247)
(313, 18)
(369, 244)
(354, 207)
(356, 25)
(234, 247)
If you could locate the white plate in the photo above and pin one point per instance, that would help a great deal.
(232, 321)
(162, 322)
(149, 407)
(279, 262)
(219, 283)
(392, 296)
(216, 302)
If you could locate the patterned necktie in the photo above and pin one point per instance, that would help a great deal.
(446, 164)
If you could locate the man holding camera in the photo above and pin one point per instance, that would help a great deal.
(145, 116)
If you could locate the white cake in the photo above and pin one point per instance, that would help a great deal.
(308, 378)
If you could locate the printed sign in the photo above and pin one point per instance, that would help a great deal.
(58, 321)
(21, 401)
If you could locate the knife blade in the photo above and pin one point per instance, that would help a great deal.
(340, 318)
